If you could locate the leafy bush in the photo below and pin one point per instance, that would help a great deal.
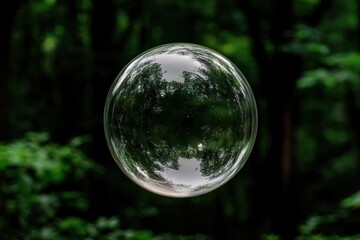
(40, 179)
(35, 175)
(326, 227)
(346, 218)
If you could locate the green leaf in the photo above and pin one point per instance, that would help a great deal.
(351, 202)
(349, 60)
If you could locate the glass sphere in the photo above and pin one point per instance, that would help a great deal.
(180, 120)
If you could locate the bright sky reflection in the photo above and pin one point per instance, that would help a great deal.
(174, 65)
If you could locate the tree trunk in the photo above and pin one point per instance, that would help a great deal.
(278, 73)
(280, 84)
(352, 108)
(104, 71)
(7, 17)
(6, 25)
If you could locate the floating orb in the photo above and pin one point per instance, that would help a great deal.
(180, 120)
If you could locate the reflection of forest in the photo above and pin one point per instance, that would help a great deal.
(160, 120)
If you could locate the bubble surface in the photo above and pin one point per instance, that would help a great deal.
(180, 120)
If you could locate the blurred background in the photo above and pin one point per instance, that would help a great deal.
(59, 58)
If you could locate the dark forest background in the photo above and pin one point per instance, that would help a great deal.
(59, 58)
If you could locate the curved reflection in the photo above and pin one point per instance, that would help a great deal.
(180, 120)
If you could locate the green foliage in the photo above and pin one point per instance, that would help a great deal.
(78, 228)
(343, 68)
(321, 237)
(51, 163)
(307, 43)
(270, 237)
(346, 60)
(31, 170)
(63, 56)
(313, 226)
(315, 237)
(352, 202)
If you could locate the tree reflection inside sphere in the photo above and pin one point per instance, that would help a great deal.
(180, 120)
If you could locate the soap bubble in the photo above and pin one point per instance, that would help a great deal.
(180, 120)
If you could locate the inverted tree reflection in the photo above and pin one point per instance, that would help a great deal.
(170, 116)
